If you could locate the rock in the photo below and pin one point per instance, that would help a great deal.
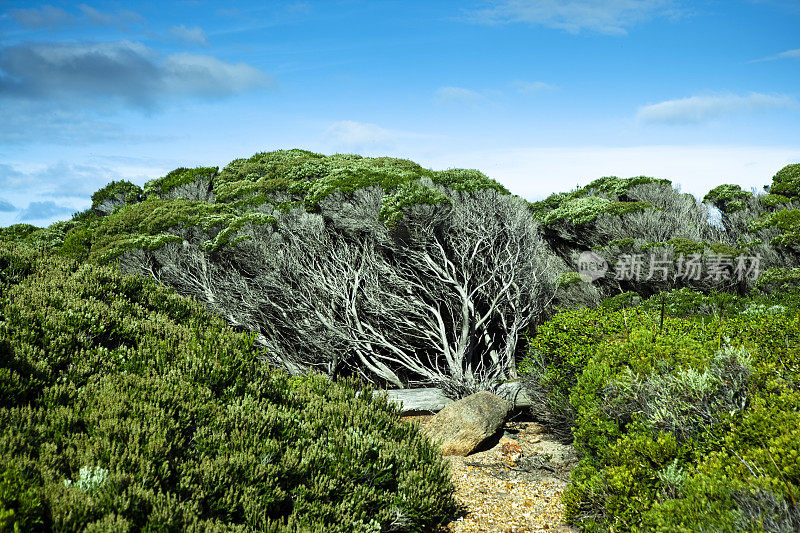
(462, 426)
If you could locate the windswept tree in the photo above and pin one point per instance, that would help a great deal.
(375, 267)
(652, 237)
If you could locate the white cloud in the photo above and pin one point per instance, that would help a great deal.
(57, 180)
(52, 17)
(41, 211)
(193, 36)
(48, 193)
(458, 95)
(602, 16)
(698, 109)
(530, 87)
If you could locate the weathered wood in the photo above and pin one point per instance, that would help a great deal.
(514, 393)
(433, 400)
(413, 400)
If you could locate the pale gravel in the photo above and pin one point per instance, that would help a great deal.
(500, 495)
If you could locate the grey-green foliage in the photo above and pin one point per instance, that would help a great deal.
(672, 478)
(761, 309)
(90, 478)
(760, 509)
(683, 401)
(372, 266)
(638, 217)
(116, 193)
(441, 298)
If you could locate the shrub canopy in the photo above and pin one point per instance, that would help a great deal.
(126, 406)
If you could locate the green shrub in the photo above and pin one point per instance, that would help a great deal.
(684, 410)
(180, 176)
(621, 301)
(786, 181)
(569, 278)
(774, 200)
(787, 221)
(556, 356)
(728, 198)
(625, 208)
(578, 211)
(779, 279)
(115, 194)
(619, 187)
(16, 232)
(126, 406)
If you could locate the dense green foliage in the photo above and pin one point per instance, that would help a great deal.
(684, 408)
(787, 182)
(114, 194)
(161, 187)
(124, 406)
(299, 177)
(727, 198)
(681, 396)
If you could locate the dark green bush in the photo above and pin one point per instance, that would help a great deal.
(125, 406)
(555, 358)
(786, 221)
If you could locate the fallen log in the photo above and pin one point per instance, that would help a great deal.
(433, 400)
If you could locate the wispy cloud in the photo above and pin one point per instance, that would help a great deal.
(123, 72)
(44, 210)
(40, 122)
(531, 87)
(352, 135)
(698, 109)
(52, 17)
(6, 207)
(59, 180)
(457, 95)
(788, 54)
(192, 36)
(120, 19)
(46, 16)
(364, 137)
(613, 17)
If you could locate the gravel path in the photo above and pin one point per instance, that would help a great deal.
(513, 483)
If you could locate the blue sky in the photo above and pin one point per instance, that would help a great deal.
(541, 95)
